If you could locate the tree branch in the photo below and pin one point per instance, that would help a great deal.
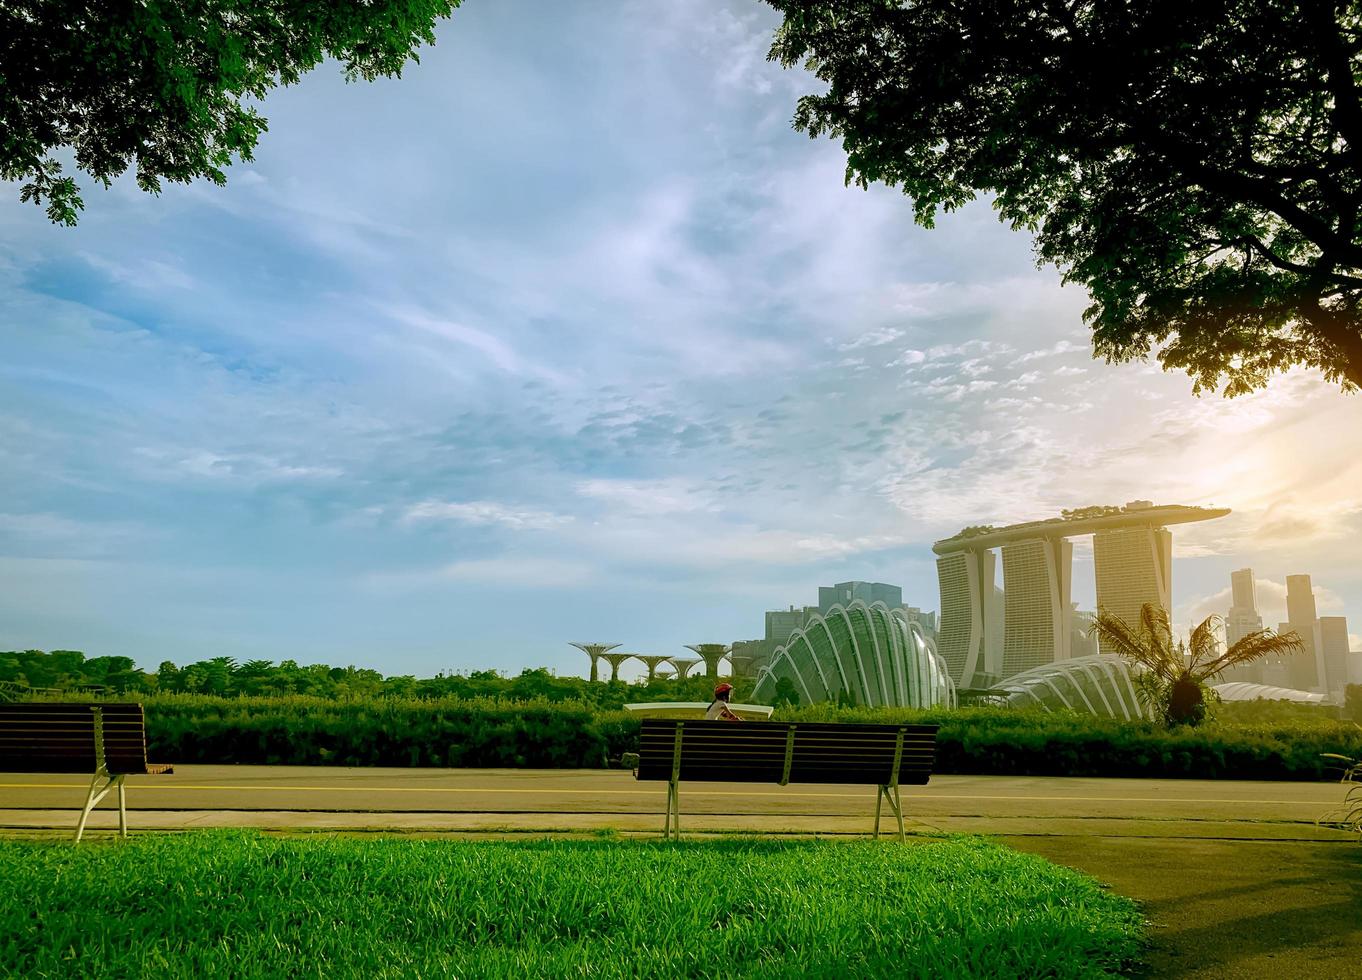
(1347, 112)
(1270, 198)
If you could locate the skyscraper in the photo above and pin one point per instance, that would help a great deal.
(1134, 566)
(1242, 620)
(1333, 641)
(1036, 584)
(1081, 642)
(1300, 613)
(965, 636)
(1134, 552)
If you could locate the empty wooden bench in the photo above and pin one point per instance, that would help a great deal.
(786, 752)
(108, 740)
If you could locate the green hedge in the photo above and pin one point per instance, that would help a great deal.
(302, 730)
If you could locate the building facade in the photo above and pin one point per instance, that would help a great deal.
(859, 654)
(1303, 668)
(967, 637)
(845, 593)
(781, 623)
(1134, 567)
(1243, 620)
(1036, 581)
(1333, 641)
(1133, 551)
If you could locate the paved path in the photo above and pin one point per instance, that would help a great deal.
(566, 800)
(1236, 878)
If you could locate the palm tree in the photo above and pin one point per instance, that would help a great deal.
(1174, 676)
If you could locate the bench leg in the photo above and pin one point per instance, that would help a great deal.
(898, 811)
(92, 799)
(122, 810)
(895, 804)
(672, 827)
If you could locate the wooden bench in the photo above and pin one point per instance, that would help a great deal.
(785, 752)
(109, 740)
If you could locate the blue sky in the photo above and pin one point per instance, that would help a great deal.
(566, 335)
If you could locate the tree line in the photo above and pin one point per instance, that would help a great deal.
(71, 670)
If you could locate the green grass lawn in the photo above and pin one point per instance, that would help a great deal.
(233, 903)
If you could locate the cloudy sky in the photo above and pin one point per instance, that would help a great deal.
(567, 335)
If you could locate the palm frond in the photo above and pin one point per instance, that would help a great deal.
(1144, 648)
(1254, 646)
(1204, 643)
(1154, 621)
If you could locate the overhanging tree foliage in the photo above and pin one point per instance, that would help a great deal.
(165, 85)
(1196, 164)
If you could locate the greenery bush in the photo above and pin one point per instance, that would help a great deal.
(305, 730)
(537, 720)
(484, 732)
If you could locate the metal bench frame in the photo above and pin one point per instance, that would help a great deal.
(887, 791)
(92, 798)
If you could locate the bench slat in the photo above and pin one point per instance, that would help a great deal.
(41, 736)
(825, 753)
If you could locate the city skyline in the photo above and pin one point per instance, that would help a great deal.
(570, 320)
(1133, 567)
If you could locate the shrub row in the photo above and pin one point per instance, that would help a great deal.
(304, 730)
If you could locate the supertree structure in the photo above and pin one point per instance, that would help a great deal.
(683, 666)
(595, 652)
(615, 660)
(711, 654)
(651, 661)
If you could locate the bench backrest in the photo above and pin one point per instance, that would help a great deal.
(41, 736)
(787, 752)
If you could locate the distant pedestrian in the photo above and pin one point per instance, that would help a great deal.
(719, 709)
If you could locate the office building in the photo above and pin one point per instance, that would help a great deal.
(845, 593)
(1303, 667)
(1333, 641)
(1081, 642)
(924, 618)
(781, 623)
(1243, 620)
(1276, 671)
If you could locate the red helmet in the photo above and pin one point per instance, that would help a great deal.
(723, 688)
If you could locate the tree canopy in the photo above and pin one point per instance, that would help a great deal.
(166, 86)
(1195, 165)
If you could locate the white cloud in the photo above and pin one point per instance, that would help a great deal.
(872, 338)
(484, 512)
(649, 497)
(503, 572)
(244, 467)
(908, 358)
(1062, 347)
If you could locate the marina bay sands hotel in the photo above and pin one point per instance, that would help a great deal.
(983, 640)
